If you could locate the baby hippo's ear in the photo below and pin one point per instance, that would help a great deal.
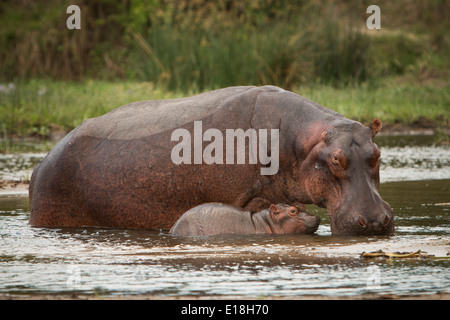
(274, 209)
(274, 212)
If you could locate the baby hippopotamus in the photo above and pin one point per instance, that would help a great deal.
(219, 218)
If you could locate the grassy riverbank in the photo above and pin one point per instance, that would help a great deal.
(36, 107)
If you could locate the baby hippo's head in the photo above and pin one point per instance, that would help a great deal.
(289, 219)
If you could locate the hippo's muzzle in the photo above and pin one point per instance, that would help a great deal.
(377, 221)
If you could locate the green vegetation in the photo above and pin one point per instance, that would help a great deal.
(138, 50)
(391, 102)
(33, 107)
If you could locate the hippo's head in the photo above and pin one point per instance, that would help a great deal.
(341, 173)
(288, 219)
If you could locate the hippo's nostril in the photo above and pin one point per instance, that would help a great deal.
(386, 221)
(361, 222)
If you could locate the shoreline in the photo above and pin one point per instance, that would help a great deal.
(421, 126)
(14, 188)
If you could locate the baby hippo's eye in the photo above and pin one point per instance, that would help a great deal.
(293, 211)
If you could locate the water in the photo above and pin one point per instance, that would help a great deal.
(407, 158)
(18, 166)
(109, 262)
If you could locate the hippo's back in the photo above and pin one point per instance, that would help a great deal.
(146, 118)
(214, 218)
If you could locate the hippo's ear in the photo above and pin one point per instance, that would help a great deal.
(274, 208)
(375, 126)
(275, 212)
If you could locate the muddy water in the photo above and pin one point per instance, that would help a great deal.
(113, 262)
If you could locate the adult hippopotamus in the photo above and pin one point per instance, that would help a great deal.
(219, 218)
(134, 166)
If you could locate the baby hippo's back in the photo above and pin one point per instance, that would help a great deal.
(219, 218)
(214, 218)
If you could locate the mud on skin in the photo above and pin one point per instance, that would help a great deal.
(218, 218)
(115, 170)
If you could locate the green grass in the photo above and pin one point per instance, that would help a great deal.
(33, 107)
(392, 103)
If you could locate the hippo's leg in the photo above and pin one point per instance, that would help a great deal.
(249, 199)
(257, 204)
(300, 206)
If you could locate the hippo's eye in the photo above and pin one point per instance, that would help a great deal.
(339, 159)
(293, 211)
(335, 159)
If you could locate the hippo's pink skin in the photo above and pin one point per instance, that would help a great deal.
(116, 170)
(219, 218)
